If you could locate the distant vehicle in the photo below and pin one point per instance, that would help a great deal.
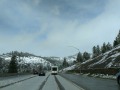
(39, 70)
(35, 71)
(54, 70)
(42, 73)
(118, 78)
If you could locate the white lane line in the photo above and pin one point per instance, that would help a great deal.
(43, 83)
(50, 84)
(80, 88)
(59, 84)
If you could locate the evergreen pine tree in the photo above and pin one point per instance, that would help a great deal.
(94, 52)
(1, 65)
(103, 48)
(65, 63)
(108, 46)
(79, 57)
(115, 43)
(13, 65)
(86, 55)
(117, 40)
(98, 51)
(118, 37)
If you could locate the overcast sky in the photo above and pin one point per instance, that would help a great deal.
(49, 27)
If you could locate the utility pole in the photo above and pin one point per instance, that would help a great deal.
(78, 53)
(75, 48)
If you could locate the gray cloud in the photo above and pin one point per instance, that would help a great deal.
(33, 27)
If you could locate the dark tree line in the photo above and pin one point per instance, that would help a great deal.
(20, 54)
(117, 40)
(82, 57)
(13, 66)
(97, 50)
(65, 63)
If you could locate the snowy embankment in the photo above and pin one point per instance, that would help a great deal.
(103, 62)
(88, 74)
(68, 68)
(109, 59)
(100, 76)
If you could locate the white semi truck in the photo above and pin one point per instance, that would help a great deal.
(54, 70)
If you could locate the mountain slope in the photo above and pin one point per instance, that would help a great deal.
(26, 63)
(110, 59)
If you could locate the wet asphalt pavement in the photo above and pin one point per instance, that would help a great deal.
(91, 83)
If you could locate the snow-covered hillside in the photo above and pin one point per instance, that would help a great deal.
(29, 60)
(72, 58)
(59, 60)
(32, 59)
(25, 64)
(106, 60)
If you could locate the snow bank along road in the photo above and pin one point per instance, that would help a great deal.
(35, 82)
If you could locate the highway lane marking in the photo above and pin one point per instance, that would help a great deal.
(60, 87)
(43, 83)
(16, 82)
(72, 83)
(57, 84)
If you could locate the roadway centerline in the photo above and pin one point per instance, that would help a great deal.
(50, 84)
(68, 85)
(60, 87)
(43, 83)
